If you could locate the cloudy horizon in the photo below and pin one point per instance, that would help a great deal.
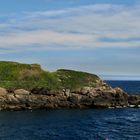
(100, 37)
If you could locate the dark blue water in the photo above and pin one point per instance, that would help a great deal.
(131, 87)
(114, 124)
(74, 124)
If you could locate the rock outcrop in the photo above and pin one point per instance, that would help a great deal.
(60, 89)
(134, 100)
(86, 97)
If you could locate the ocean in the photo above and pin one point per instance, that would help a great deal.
(131, 87)
(74, 124)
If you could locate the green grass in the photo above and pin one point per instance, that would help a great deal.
(16, 75)
(75, 79)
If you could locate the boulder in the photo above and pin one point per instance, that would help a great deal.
(110, 98)
(86, 101)
(134, 100)
(118, 90)
(3, 91)
(43, 91)
(74, 98)
(21, 92)
(85, 90)
(11, 99)
(104, 99)
(66, 92)
(111, 91)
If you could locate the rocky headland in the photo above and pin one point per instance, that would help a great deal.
(24, 86)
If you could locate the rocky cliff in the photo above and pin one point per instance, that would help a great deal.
(29, 87)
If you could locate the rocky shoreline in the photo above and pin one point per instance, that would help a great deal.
(28, 86)
(85, 97)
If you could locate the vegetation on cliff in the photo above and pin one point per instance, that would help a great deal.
(24, 86)
(16, 75)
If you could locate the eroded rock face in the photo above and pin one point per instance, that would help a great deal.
(86, 97)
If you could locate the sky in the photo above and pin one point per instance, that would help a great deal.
(97, 36)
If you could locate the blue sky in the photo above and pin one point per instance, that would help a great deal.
(98, 36)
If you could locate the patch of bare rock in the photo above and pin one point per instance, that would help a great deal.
(87, 97)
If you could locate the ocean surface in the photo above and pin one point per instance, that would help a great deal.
(74, 124)
(131, 87)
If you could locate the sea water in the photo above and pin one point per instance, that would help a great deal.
(73, 124)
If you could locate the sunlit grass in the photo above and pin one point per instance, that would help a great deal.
(16, 75)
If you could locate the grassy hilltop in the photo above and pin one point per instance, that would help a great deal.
(27, 76)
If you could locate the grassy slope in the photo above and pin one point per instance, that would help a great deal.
(16, 75)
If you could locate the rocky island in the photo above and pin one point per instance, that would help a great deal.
(25, 86)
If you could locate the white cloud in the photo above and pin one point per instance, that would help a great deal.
(77, 27)
(43, 37)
